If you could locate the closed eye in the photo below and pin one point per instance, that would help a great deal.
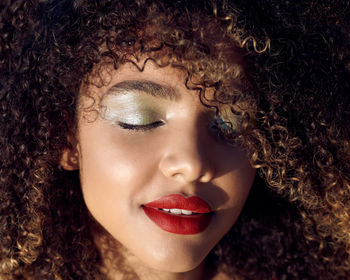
(221, 128)
(143, 127)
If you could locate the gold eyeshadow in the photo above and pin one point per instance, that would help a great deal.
(132, 108)
(136, 108)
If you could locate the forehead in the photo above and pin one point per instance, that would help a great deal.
(162, 82)
(165, 83)
(165, 73)
(146, 86)
(130, 91)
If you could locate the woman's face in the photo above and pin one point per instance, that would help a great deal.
(153, 140)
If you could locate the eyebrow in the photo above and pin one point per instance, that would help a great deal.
(145, 86)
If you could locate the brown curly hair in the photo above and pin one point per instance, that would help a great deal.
(295, 127)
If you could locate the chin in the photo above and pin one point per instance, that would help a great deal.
(174, 261)
(174, 267)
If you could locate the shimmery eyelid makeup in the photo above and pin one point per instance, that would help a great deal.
(136, 108)
(132, 108)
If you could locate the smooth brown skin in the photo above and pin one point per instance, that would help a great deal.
(122, 169)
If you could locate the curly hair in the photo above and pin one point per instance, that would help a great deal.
(294, 81)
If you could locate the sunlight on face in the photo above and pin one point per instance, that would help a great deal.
(153, 172)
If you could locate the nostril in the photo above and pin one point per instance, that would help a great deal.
(186, 161)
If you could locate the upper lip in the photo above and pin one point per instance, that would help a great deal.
(193, 203)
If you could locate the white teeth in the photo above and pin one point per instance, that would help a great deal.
(176, 211)
(186, 212)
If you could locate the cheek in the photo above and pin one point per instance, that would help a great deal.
(105, 156)
(236, 185)
(242, 181)
(234, 176)
(112, 172)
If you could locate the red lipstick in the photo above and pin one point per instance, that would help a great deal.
(177, 214)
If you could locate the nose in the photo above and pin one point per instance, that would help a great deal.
(187, 159)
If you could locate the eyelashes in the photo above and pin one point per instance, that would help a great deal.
(217, 125)
(140, 127)
(221, 128)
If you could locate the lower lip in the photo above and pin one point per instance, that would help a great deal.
(191, 224)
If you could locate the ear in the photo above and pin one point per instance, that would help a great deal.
(70, 156)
